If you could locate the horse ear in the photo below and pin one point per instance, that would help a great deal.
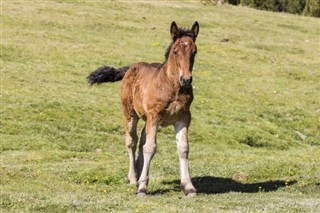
(173, 30)
(195, 28)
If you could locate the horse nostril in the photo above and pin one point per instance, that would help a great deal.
(181, 79)
(184, 81)
(188, 81)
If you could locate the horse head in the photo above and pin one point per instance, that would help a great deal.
(183, 51)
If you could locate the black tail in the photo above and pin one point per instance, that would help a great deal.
(106, 74)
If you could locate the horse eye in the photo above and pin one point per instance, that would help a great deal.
(175, 52)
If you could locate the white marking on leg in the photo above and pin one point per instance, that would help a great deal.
(181, 129)
(183, 149)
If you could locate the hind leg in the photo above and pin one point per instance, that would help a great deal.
(139, 162)
(131, 144)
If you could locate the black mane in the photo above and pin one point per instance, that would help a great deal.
(180, 33)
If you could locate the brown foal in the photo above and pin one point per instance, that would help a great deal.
(160, 94)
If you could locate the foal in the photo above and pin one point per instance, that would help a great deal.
(160, 94)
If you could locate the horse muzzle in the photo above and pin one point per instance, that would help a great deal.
(185, 82)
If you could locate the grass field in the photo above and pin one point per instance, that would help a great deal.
(255, 133)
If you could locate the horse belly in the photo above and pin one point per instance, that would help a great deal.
(169, 119)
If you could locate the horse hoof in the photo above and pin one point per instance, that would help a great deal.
(191, 194)
(141, 194)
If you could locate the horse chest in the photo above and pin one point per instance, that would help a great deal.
(174, 110)
(178, 105)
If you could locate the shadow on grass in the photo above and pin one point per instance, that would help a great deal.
(217, 185)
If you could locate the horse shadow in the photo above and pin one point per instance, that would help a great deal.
(218, 185)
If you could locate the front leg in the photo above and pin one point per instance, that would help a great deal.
(149, 149)
(181, 130)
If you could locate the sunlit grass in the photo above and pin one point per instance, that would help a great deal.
(256, 85)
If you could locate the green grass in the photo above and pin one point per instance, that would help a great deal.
(62, 142)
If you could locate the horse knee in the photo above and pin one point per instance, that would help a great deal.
(150, 149)
(131, 146)
(131, 142)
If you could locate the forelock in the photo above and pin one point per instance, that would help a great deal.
(184, 32)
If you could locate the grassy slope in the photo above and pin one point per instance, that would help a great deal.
(62, 142)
